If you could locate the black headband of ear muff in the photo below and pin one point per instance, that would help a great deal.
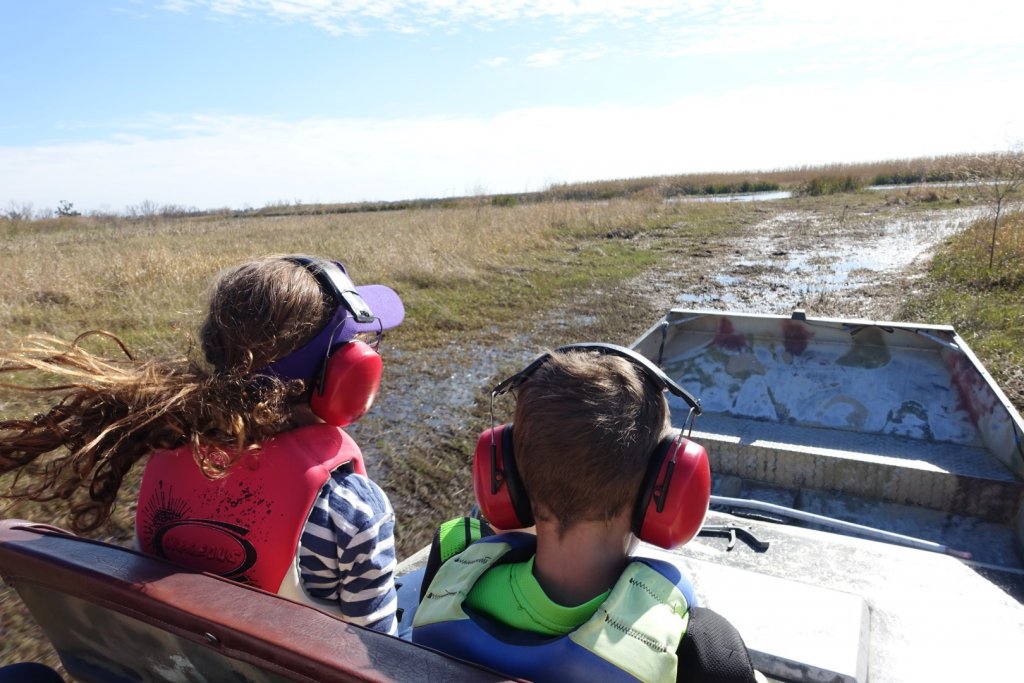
(655, 373)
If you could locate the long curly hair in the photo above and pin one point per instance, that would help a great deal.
(110, 413)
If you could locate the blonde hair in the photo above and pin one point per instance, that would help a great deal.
(112, 412)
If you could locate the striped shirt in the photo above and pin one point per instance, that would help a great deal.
(347, 551)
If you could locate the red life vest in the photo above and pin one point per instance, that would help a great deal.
(246, 525)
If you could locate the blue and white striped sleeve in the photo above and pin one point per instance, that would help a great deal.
(347, 551)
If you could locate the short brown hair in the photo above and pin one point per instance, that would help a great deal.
(586, 425)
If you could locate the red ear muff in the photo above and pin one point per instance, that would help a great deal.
(496, 483)
(347, 384)
(676, 488)
(675, 494)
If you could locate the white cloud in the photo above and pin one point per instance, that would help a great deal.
(546, 58)
(213, 162)
(715, 25)
(173, 5)
(554, 56)
(831, 36)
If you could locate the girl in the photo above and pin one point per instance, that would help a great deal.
(248, 474)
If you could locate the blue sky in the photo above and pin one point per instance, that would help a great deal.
(243, 103)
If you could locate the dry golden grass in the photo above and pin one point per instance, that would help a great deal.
(460, 268)
(146, 281)
(86, 272)
(984, 303)
(892, 171)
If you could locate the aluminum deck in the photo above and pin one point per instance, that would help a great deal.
(895, 427)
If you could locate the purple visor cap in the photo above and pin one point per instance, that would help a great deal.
(302, 363)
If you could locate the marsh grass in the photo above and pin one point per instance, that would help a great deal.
(985, 305)
(141, 276)
(948, 168)
(469, 271)
(831, 184)
(811, 180)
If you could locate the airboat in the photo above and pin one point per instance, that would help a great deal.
(866, 524)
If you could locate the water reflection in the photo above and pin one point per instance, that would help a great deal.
(750, 197)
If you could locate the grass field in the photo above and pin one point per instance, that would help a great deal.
(473, 273)
(985, 304)
(829, 178)
(146, 281)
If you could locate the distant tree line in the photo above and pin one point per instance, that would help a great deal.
(808, 180)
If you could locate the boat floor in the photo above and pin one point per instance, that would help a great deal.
(823, 606)
(877, 449)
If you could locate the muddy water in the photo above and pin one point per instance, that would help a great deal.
(796, 258)
(785, 259)
(429, 396)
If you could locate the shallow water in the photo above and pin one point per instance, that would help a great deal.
(794, 256)
(429, 396)
(749, 197)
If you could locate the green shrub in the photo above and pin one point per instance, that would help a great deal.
(504, 200)
(831, 184)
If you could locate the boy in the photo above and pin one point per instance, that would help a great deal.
(570, 603)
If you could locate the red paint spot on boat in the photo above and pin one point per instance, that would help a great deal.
(795, 337)
(969, 387)
(727, 337)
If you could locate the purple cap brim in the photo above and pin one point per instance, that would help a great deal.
(388, 312)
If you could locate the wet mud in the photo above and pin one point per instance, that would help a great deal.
(858, 263)
(854, 265)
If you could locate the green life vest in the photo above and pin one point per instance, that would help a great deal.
(634, 634)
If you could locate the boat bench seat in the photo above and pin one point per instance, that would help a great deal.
(113, 614)
(952, 478)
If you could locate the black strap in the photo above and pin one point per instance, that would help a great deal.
(656, 374)
(337, 283)
(712, 651)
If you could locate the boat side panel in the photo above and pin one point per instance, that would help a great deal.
(919, 383)
(999, 425)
